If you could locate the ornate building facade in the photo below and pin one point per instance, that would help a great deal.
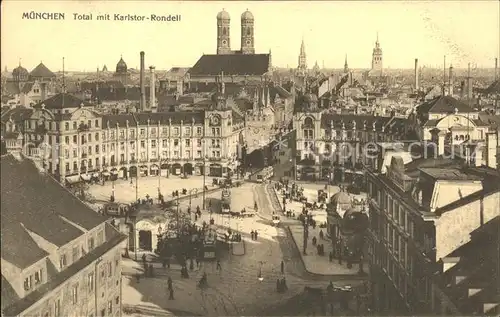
(84, 142)
(332, 147)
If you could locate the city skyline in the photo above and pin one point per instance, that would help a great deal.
(407, 30)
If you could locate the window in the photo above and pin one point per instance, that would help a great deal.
(110, 269)
(76, 254)
(164, 143)
(97, 136)
(188, 142)
(103, 312)
(199, 131)
(122, 134)
(188, 131)
(198, 141)
(74, 126)
(153, 144)
(100, 237)
(28, 283)
(74, 294)
(97, 149)
(75, 139)
(188, 154)
(198, 154)
(164, 131)
(153, 131)
(110, 307)
(62, 261)
(153, 154)
(91, 243)
(90, 282)
(97, 123)
(143, 144)
(176, 142)
(176, 131)
(66, 126)
(57, 308)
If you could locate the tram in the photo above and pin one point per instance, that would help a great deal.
(210, 243)
(226, 201)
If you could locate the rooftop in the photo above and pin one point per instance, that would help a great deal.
(26, 209)
(452, 174)
(231, 64)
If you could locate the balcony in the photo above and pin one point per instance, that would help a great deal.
(122, 137)
(144, 160)
(113, 164)
(84, 155)
(153, 160)
(133, 161)
(214, 158)
(198, 159)
(83, 127)
(123, 162)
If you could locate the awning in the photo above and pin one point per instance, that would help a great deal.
(154, 168)
(73, 179)
(106, 174)
(95, 175)
(114, 172)
(85, 177)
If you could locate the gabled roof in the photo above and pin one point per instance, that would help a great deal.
(42, 71)
(154, 118)
(444, 104)
(61, 101)
(494, 88)
(26, 208)
(231, 64)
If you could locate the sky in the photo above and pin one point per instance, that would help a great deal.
(464, 31)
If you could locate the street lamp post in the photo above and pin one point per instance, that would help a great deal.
(192, 192)
(259, 276)
(204, 170)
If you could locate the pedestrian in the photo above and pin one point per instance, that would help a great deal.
(256, 234)
(251, 234)
(169, 283)
(219, 267)
(171, 296)
(321, 234)
(282, 267)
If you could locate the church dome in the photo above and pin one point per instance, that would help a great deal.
(121, 67)
(223, 15)
(340, 198)
(20, 72)
(247, 15)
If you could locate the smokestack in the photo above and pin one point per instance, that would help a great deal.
(469, 86)
(444, 75)
(496, 68)
(416, 74)
(141, 82)
(450, 81)
(152, 88)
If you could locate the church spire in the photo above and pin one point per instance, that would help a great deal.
(346, 66)
(377, 43)
(303, 48)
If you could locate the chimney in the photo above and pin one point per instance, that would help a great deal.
(469, 86)
(416, 75)
(450, 81)
(152, 88)
(496, 68)
(141, 83)
(491, 149)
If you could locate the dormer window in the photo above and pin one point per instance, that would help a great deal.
(28, 283)
(38, 276)
(62, 261)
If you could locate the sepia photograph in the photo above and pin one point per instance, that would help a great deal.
(250, 158)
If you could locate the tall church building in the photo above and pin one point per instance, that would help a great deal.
(224, 34)
(302, 67)
(376, 60)
(235, 66)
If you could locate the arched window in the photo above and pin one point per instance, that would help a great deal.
(224, 32)
(308, 122)
(249, 31)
